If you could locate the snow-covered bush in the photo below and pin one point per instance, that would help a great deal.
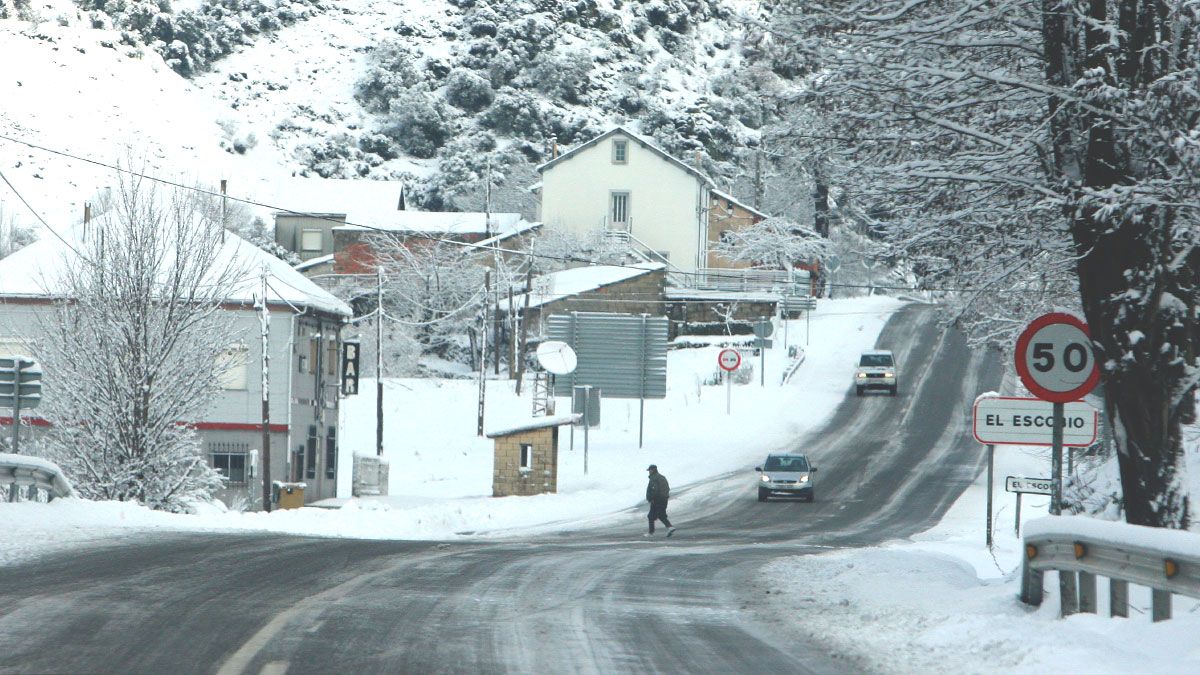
(390, 72)
(417, 122)
(515, 114)
(468, 91)
(562, 76)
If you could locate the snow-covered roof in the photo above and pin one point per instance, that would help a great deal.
(357, 200)
(520, 228)
(434, 222)
(535, 423)
(726, 196)
(558, 285)
(36, 271)
(641, 140)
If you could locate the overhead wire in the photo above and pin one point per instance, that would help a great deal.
(426, 235)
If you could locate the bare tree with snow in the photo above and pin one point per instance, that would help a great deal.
(775, 242)
(132, 350)
(1027, 154)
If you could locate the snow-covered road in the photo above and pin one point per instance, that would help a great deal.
(599, 600)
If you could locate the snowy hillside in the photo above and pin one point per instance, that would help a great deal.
(432, 91)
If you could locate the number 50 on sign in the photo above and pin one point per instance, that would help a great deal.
(1055, 359)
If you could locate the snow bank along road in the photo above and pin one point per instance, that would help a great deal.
(604, 600)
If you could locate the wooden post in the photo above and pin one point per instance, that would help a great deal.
(378, 358)
(1118, 598)
(265, 319)
(1087, 592)
(525, 330)
(512, 336)
(1068, 593)
(483, 350)
(1160, 605)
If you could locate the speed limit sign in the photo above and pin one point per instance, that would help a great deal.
(1055, 359)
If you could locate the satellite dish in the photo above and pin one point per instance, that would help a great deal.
(557, 357)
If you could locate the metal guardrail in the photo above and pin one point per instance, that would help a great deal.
(20, 471)
(1079, 559)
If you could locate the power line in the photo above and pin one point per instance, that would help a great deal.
(419, 234)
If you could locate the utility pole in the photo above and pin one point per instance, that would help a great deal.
(512, 336)
(265, 324)
(224, 200)
(496, 330)
(378, 359)
(483, 336)
(525, 329)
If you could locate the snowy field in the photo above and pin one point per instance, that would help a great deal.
(441, 471)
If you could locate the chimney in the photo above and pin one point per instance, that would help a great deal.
(697, 159)
(554, 149)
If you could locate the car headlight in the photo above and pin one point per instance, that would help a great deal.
(861, 376)
(766, 478)
(803, 479)
(890, 373)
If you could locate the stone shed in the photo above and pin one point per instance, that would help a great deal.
(526, 456)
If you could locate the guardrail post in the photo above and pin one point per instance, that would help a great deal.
(1087, 592)
(1118, 598)
(1067, 593)
(1160, 605)
(1031, 584)
(13, 491)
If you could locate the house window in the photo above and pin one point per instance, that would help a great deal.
(231, 366)
(302, 364)
(310, 461)
(331, 453)
(526, 457)
(619, 213)
(331, 358)
(620, 152)
(310, 240)
(229, 459)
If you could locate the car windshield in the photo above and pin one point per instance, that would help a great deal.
(794, 463)
(875, 360)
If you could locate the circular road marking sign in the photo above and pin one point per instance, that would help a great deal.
(1055, 359)
(729, 360)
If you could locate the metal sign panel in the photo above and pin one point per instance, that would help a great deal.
(1029, 421)
(624, 355)
(793, 303)
(1034, 486)
(350, 364)
(585, 401)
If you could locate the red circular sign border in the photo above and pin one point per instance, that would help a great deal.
(722, 365)
(1023, 368)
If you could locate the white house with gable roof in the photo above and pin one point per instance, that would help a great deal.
(623, 183)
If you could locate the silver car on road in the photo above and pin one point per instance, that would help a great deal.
(788, 475)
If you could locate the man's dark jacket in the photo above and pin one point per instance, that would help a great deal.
(658, 490)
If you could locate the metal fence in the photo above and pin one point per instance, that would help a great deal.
(19, 472)
(1079, 560)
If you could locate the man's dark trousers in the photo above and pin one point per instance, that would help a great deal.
(658, 511)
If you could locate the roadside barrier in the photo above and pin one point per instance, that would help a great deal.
(1166, 561)
(34, 474)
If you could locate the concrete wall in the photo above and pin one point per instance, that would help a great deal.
(233, 420)
(640, 295)
(542, 477)
(665, 199)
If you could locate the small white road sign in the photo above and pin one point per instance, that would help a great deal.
(1030, 421)
(1035, 486)
(1055, 359)
(729, 360)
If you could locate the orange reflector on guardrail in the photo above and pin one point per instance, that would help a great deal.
(1080, 550)
(1170, 568)
(1030, 551)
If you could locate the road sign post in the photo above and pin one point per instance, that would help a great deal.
(1019, 486)
(1056, 363)
(729, 360)
(763, 330)
(991, 468)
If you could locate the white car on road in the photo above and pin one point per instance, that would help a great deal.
(876, 370)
